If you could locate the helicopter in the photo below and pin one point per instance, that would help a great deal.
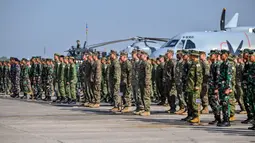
(146, 44)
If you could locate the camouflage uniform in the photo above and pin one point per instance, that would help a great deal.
(26, 80)
(7, 83)
(232, 95)
(238, 87)
(67, 80)
(135, 84)
(204, 92)
(96, 76)
(125, 82)
(61, 80)
(73, 81)
(55, 81)
(194, 84)
(104, 81)
(168, 81)
(15, 79)
(159, 83)
(185, 71)
(145, 84)
(179, 83)
(251, 89)
(246, 93)
(114, 81)
(49, 83)
(225, 82)
(153, 78)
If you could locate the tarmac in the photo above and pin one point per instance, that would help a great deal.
(24, 121)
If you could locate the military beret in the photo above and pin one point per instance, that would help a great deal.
(194, 53)
(179, 51)
(223, 51)
(161, 56)
(170, 51)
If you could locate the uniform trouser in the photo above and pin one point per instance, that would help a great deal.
(246, 98)
(67, 90)
(86, 91)
(115, 90)
(126, 98)
(27, 86)
(192, 98)
(252, 99)
(180, 96)
(232, 103)
(146, 96)
(137, 96)
(170, 97)
(16, 87)
(49, 89)
(62, 91)
(73, 91)
(225, 106)
(56, 89)
(204, 96)
(239, 97)
(160, 89)
(214, 102)
(154, 90)
(96, 93)
(103, 89)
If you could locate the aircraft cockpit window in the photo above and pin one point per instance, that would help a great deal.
(181, 44)
(171, 43)
(190, 45)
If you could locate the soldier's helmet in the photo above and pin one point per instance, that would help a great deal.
(194, 53)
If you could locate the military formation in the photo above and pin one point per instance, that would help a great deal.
(190, 82)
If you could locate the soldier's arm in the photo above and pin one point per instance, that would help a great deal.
(129, 70)
(98, 72)
(229, 77)
(147, 73)
(199, 76)
(117, 72)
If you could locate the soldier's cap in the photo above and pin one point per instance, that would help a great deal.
(66, 57)
(123, 54)
(194, 53)
(77, 40)
(39, 57)
(179, 51)
(157, 59)
(170, 51)
(113, 52)
(185, 52)
(56, 54)
(16, 59)
(161, 56)
(144, 53)
(61, 56)
(217, 52)
(246, 51)
(95, 53)
(202, 52)
(71, 57)
(223, 51)
(134, 51)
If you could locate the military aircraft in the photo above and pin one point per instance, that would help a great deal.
(230, 36)
(147, 44)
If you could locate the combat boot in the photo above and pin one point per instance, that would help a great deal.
(242, 112)
(232, 118)
(246, 121)
(252, 128)
(125, 110)
(94, 106)
(86, 104)
(180, 111)
(138, 111)
(145, 113)
(188, 118)
(225, 122)
(205, 110)
(115, 109)
(194, 120)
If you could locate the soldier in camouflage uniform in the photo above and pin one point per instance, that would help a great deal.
(114, 80)
(238, 87)
(55, 79)
(168, 80)
(125, 81)
(1, 77)
(44, 76)
(104, 80)
(27, 89)
(159, 79)
(78, 84)
(194, 85)
(61, 80)
(22, 62)
(67, 80)
(251, 87)
(7, 83)
(96, 76)
(73, 80)
(178, 82)
(231, 59)
(225, 87)
(213, 82)
(145, 83)
(135, 82)
(246, 94)
(15, 77)
(49, 81)
(153, 78)
(204, 92)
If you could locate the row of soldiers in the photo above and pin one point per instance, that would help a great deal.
(219, 81)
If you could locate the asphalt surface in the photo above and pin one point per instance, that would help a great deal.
(24, 121)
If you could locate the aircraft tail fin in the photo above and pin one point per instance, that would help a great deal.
(233, 22)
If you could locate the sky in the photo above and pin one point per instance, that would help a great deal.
(28, 27)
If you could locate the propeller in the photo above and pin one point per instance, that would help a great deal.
(231, 50)
(222, 20)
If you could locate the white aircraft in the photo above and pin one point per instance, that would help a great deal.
(229, 37)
